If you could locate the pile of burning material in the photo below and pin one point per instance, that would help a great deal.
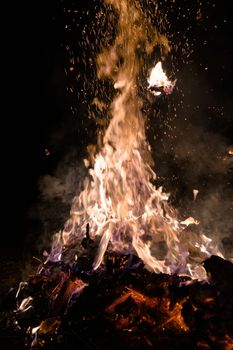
(123, 306)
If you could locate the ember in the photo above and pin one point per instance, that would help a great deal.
(125, 272)
(122, 305)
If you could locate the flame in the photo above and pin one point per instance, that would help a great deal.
(158, 80)
(126, 212)
(25, 305)
(195, 193)
(189, 221)
(48, 326)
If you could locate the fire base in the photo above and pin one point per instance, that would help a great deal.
(122, 306)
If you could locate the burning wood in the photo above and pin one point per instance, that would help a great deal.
(126, 304)
(171, 316)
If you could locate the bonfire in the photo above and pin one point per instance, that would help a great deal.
(125, 272)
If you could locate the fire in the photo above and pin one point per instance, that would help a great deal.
(144, 305)
(195, 193)
(230, 150)
(25, 305)
(122, 223)
(158, 80)
(125, 211)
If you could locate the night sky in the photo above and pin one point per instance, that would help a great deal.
(46, 125)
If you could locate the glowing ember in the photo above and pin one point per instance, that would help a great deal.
(171, 315)
(159, 81)
(230, 150)
(47, 152)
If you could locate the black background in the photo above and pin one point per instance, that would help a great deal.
(35, 105)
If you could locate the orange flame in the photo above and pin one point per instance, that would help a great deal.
(171, 315)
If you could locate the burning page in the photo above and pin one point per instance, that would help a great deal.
(158, 81)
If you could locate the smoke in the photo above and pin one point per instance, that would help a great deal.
(64, 184)
(191, 151)
(214, 210)
(202, 152)
(52, 207)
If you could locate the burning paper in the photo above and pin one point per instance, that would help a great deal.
(195, 193)
(189, 221)
(159, 82)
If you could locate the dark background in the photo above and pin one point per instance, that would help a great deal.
(37, 115)
(35, 103)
